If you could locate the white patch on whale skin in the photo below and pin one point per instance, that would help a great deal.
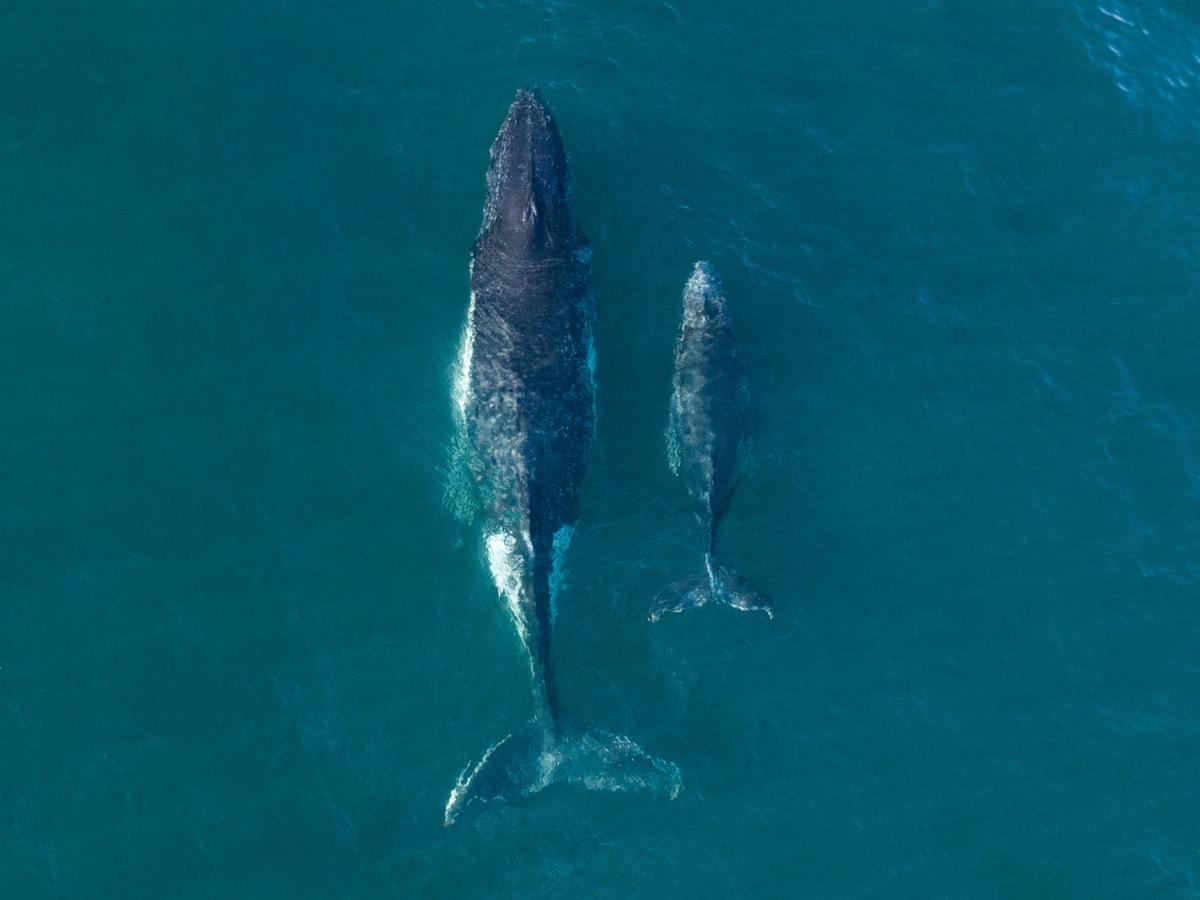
(508, 573)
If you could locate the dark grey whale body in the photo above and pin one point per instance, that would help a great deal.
(710, 403)
(525, 397)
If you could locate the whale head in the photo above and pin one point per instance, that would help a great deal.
(704, 297)
(528, 196)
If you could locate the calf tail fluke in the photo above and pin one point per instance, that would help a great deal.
(718, 584)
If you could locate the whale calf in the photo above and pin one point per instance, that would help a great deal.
(524, 397)
(709, 407)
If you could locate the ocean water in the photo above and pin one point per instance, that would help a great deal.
(246, 649)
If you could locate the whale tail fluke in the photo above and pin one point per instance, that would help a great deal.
(535, 757)
(718, 584)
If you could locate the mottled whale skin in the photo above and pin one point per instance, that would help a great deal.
(525, 398)
(706, 424)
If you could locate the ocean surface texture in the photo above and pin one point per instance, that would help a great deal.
(246, 647)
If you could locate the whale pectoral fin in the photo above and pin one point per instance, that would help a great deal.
(533, 758)
(686, 594)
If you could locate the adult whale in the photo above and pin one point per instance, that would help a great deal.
(525, 398)
(706, 424)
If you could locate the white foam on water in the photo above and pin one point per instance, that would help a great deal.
(673, 432)
(459, 493)
(460, 382)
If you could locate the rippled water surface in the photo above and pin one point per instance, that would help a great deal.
(246, 648)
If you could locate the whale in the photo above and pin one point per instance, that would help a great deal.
(525, 401)
(706, 427)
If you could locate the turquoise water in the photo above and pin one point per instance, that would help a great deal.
(245, 649)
